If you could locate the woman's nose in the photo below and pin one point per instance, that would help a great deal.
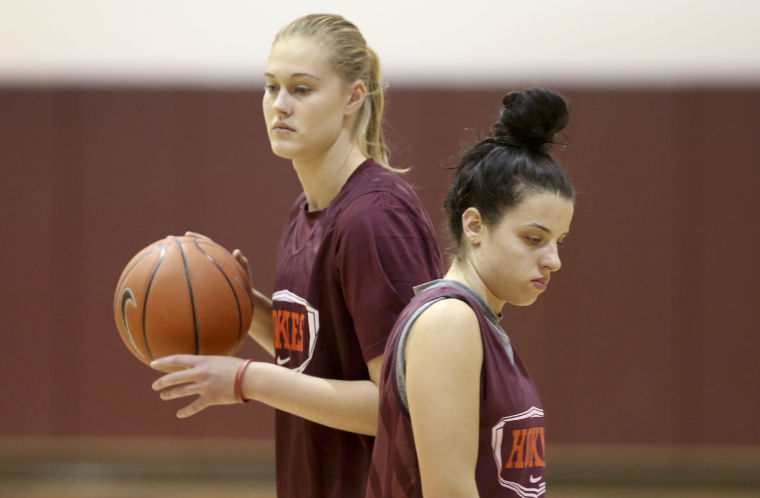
(551, 259)
(282, 103)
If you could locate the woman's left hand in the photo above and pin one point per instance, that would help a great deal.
(211, 378)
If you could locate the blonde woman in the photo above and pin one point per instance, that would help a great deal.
(357, 241)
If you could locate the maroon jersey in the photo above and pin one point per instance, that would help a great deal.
(343, 276)
(511, 460)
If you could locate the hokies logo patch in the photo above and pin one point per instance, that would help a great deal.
(519, 451)
(296, 327)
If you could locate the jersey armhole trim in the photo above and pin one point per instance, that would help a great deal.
(399, 361)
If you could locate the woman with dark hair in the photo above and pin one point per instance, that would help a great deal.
(356, 242)
(459, 414)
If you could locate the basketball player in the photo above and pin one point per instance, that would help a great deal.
(459, 415)
(357, 241)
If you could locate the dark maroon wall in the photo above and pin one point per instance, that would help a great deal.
(647, 336)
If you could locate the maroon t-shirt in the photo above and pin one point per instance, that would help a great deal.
(343, 276)
(511, 457)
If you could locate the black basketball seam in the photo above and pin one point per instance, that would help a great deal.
(232, 288)
(245, 287)
(126, 274)
(247, 292)
(145, 301)
(192, 297)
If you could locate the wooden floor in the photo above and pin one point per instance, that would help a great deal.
(162, 489)
(121, 468)
(135, 490)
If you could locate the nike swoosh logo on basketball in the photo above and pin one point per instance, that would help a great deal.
(534, 480)
(282, 361)
(128, 297)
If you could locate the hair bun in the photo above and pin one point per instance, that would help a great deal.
(530, 118)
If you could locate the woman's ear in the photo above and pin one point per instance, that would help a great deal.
(356, 96)
(472, 226)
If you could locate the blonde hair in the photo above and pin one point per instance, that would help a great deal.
(354, 60)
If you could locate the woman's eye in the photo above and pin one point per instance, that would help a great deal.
(270, 88)
(302, 90)
(534, 240)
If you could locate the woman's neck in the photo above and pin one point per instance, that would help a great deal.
(462, 270)
(322, 178)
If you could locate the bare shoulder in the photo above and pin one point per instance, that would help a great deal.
(447, 328)
(447, 313)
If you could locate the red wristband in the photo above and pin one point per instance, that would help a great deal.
(239, 381)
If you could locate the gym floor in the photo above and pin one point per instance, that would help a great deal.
(166, 468)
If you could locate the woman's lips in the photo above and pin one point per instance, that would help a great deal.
(280, 127)
(540, 283)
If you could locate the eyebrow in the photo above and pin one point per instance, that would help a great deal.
(539, 226)
(543, 228)
(296, 75)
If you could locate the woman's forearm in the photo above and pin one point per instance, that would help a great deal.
(349, 405)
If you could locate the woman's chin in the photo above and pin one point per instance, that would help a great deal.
(525, 301)
(282, 152)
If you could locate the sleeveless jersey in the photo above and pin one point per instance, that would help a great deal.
(511, 458)
(343, 276)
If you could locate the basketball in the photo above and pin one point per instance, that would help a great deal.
(182, 295)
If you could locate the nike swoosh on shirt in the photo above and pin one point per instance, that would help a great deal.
(534, 480)
(282, 361)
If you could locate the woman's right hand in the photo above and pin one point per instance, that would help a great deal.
(243, 262)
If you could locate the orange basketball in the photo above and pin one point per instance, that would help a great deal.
(182, 295)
